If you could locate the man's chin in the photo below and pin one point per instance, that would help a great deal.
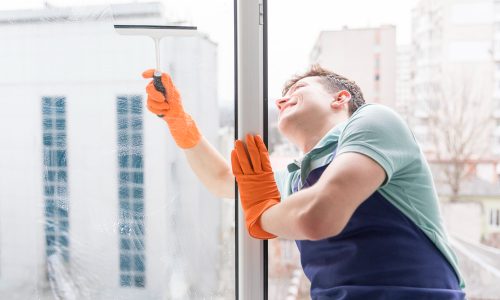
(284, 123)
(285, 115)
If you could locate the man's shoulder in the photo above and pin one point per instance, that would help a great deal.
(375, 118)
(376, 112)
(380, 133)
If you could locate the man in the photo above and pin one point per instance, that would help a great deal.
(360, 203)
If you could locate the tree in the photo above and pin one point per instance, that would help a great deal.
(460, 123)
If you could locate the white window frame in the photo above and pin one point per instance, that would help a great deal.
(251, 117)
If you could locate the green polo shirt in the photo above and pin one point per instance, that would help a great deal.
(379, 133)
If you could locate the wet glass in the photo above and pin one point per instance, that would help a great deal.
(96, 200)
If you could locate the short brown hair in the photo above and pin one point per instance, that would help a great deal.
(333, 82)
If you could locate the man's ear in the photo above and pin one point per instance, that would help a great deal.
(343, 96)
(340, 98)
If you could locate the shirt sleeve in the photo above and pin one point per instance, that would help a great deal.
(379, 133)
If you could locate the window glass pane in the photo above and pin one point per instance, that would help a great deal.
(98, 201)
(139, 281)
(125, 244)
(124, 263)
(139, 244)
(47, 140)
(60, 140)
(136, 161)
(60, 124)
(415, 59)
(125, 280)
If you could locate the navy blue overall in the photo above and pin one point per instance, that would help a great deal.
(380, 254)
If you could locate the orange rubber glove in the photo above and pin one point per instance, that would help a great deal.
(181, 125)
(256, 184)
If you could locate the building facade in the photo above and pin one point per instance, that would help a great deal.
(453, 63)
(365, 55)
(403, 102)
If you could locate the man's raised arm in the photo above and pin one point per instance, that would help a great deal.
(210, 167)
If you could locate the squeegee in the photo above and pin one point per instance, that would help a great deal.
(156, 32)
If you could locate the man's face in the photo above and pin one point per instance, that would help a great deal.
(307, 102)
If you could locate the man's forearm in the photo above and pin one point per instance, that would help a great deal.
(324, 209)
(288, 218)
(211, 168)
(309, 214)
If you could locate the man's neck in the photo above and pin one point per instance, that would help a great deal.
(306, 137)
(312, 138)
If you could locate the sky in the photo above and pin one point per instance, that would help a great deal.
(294, 26)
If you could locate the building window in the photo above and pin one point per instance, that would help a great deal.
(494, 217)
(131, 192)
(55, 179)
(377, 61)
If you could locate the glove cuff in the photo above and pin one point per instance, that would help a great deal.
(253, 224)
(184, 130)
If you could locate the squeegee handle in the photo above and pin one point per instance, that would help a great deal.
(159, 87)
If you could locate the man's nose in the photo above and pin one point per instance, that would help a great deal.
(281, 101)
